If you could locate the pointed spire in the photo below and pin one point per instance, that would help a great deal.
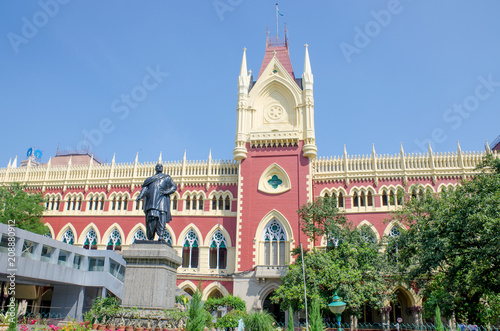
(50, 161)
(307, 63)
(136, 158)
(210, 154)
(345, 151)
(244, 78)
(159, 158)
(244, 70)
(459, 150)
(8, 165)
(14, 164)
(401, 150)
(373, 149)
(307, 76)
(184, 158)
(71, 160)
(430, 148)
(487, 147)
(113, 160)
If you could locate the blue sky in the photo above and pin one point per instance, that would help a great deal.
(385, 72)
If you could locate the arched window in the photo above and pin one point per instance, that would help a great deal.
(274, 243)
(395, 232)
(79, 205)
(355, 200)
(200, 203)
(227, 204)
(194, 202)
(174, 203)
(369, 199)
(139, 235)
(114, 241)
(221, 203)
(188, 203)
(101, 203)
(167, 237)
(90, 203)
(113, 204)
(367, 234)
(119, 203)
(392, 199)
(190, 250)
(218, 251)
(58, 202)
(362, 199)
(68, 237)
(341, 200)
(90, 241)
(68, 202)
(400, 197)
(214, 203)
(385, 198)
(332, 242)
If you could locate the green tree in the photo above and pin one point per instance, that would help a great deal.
(439, 323)
(196, 314)
(290, 326)
(352, 265)
(23, 207)
(451, 250)
(315, 319)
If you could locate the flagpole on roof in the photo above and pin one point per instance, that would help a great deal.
(277, 29)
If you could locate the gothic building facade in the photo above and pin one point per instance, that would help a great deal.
(235, 221)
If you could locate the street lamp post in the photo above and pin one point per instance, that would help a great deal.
(337, 307)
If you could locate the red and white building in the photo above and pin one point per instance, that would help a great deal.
(235, 221)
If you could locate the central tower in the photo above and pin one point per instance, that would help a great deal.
(278, 109)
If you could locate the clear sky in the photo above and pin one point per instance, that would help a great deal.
(385, 72)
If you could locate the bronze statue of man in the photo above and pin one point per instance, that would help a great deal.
(156, 192)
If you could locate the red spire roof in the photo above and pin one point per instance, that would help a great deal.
(274, 44)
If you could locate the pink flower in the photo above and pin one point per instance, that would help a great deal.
(33, 321)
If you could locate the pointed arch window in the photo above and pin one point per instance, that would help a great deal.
(341, 200)
(91, 200)
(362, 200)
(395, 232)
(221, 203)
(58, 202)
(174, 203)
(274, 239)
(79, 204)
(68, 237)
(214, 203)
(218, 251)
(200, 203)
(167, 237)
(190, 250)
(90, 241)
(114, 241)
(227, 204)
(188, 203)
(385, 198)
(369, 199)
(139, 235)
(355, 200)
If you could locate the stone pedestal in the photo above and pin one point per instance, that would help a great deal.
(151, 274)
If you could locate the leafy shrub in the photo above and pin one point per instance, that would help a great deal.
(230, 320)
(259, 321)
(236, 303)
